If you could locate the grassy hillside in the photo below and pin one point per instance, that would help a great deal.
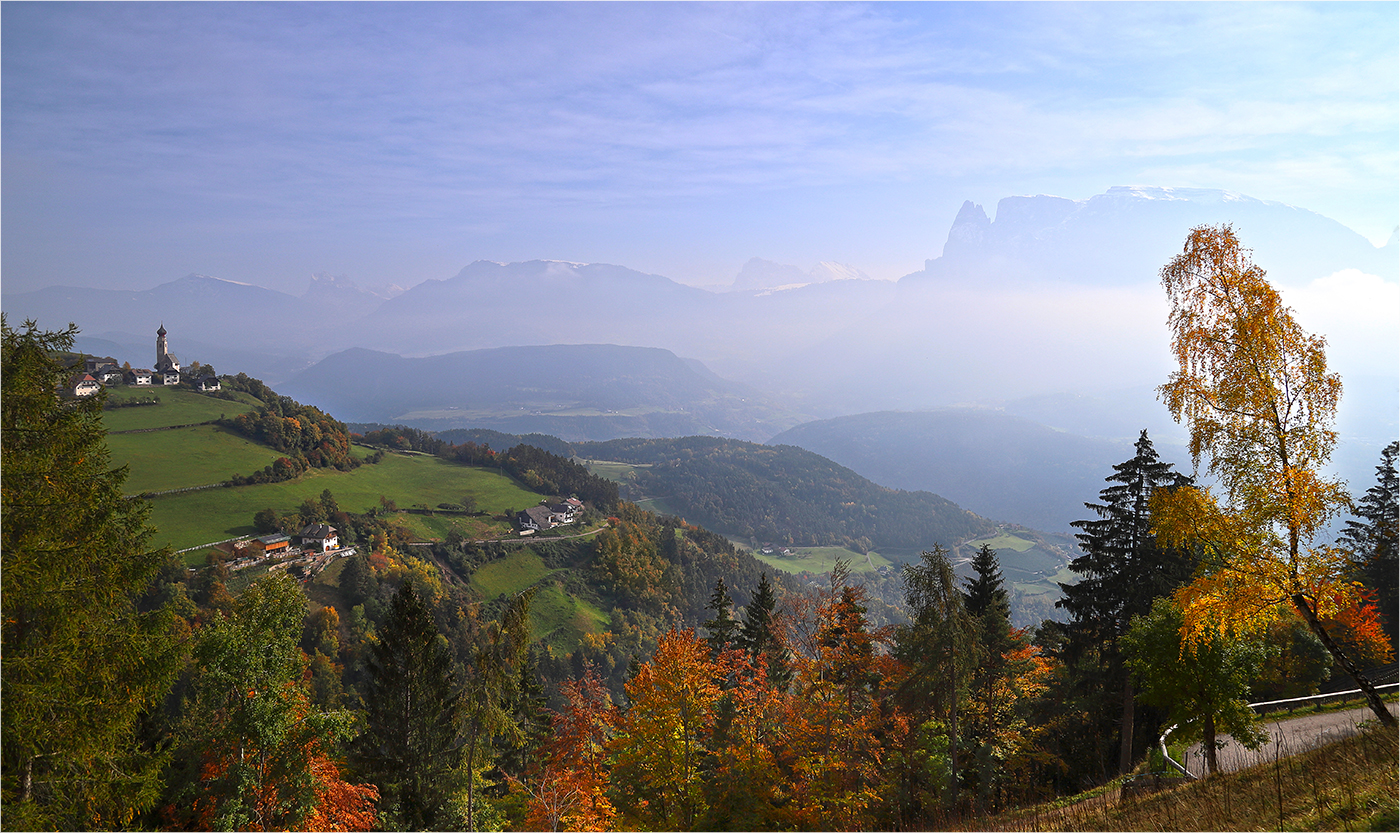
(822, 559)
(178, 406)
(192, 518)
(1348, 785)
(182, 457)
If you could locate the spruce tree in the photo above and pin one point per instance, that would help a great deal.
(1123, 570)
(986, 593)
(81, 662)
(1373, 539)
(411, 747)
(759, 638)
(938, 644)
(723, 627)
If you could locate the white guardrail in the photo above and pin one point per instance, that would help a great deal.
(1162, 741)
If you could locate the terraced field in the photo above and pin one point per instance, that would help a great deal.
(189, 519)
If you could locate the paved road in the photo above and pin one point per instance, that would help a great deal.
(1288, 737)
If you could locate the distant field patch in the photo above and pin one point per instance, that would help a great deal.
(193, 518)
(183, 457)
(616, 472)
(822, 559)
(562, 620)
(1004, 541)
(178, 406)
(509, 575)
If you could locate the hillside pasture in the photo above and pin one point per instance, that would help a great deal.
(178, 406)
(557, 617)
(192, 518)
(182, 457)
(822, 559)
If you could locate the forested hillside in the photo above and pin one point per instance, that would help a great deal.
(788, 495)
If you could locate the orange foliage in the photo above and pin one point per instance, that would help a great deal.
(570, 790)
(339, 805)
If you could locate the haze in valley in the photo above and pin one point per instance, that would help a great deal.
(731, 219)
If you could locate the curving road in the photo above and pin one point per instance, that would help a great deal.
(1288, 736)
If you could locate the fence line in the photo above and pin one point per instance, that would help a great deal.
(164, 428)
(214, 543)
(223, 485)
(1289, 703)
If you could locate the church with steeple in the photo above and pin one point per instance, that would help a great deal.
(165, 360)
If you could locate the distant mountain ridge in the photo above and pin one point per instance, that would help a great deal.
(578, 391)
(1050, 296)
(1125, 235)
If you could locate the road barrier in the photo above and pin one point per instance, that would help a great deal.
(1290, 704)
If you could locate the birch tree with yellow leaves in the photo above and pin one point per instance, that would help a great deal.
(1258, 400)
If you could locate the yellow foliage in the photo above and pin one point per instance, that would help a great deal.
(1254, 390)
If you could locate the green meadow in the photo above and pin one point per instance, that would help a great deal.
(557, 617)
(180, 457)
(822, 559)
(189, 519)
(178, 406)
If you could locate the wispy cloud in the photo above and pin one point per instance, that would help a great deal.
(330, 116)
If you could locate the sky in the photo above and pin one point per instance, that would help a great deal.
(394, 143)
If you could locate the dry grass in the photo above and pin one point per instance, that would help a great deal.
(1348, 785)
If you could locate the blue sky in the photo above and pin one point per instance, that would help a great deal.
(392, 143)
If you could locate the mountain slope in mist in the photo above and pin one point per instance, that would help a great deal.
(995, 464)
(576, 392)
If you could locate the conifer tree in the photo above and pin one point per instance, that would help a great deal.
(723, 626)
(81, 662)
(937, 645)
(1123, 570)
(759, 636)
(1373, 539)
(986, 592)
(411, 747)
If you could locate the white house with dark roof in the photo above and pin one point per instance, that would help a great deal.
(139, 376)
(321, 537)
(536, 519)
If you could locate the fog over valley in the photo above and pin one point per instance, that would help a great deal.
(699, 416)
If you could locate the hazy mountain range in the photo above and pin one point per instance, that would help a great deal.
(1048, 311)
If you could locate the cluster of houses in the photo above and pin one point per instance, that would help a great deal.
(316, 543)
(99, 372)
(548, 516)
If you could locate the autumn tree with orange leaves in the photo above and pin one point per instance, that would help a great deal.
(568, 790)
(257, 753)
(1255, 393)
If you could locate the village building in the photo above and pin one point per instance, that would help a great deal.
(165, 360)
(320, 537)
(139, 376)
(82, 384)
(209, 383)
(275, 544)
(535, 519)
(96, 366)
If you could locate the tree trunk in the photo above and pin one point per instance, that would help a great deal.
(1373, 698)
(1208, 744)
(1125, 753)
(953, 749)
